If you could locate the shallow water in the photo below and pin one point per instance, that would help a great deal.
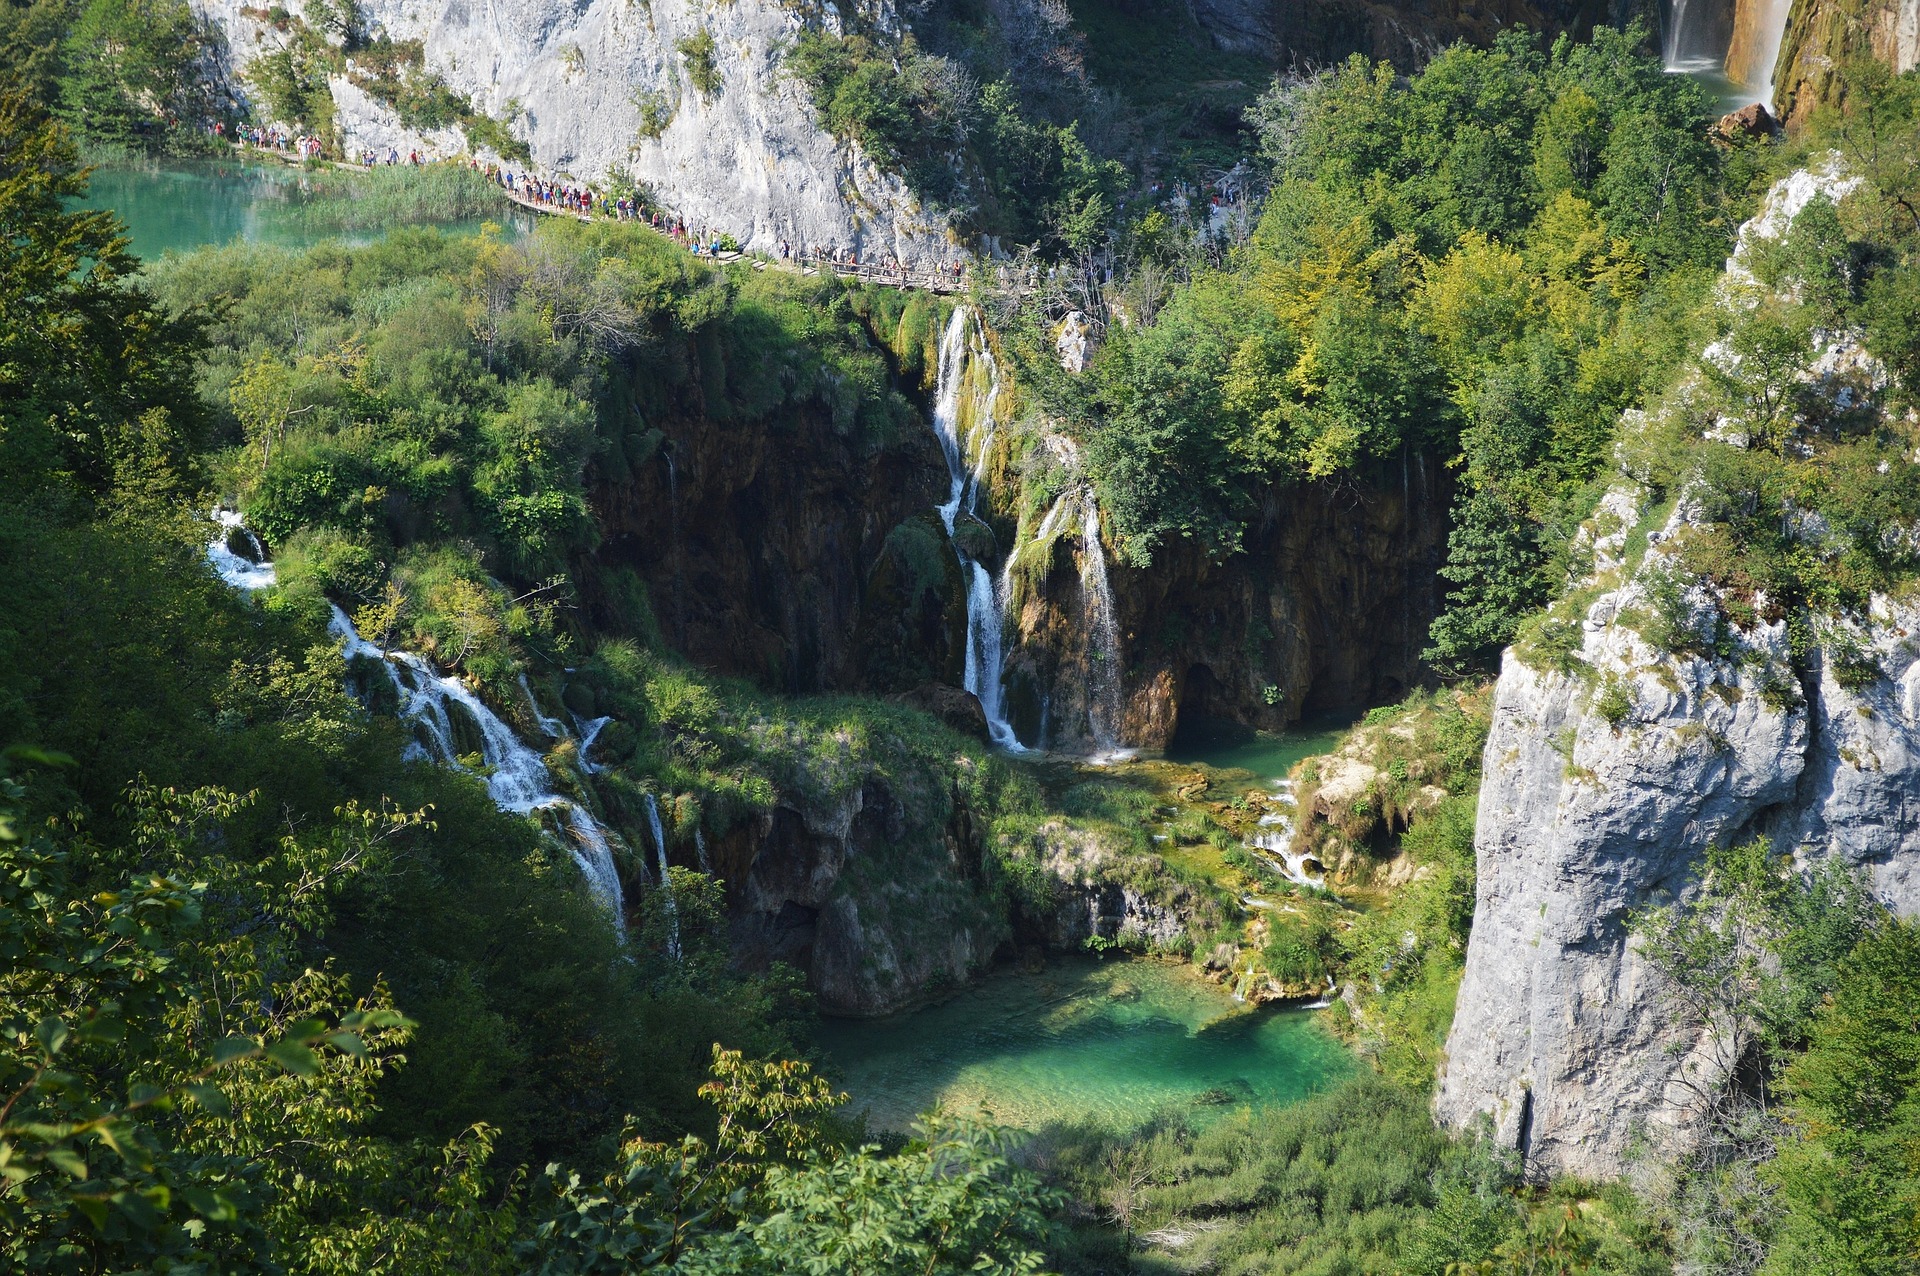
(1269, 757)
(1110, 1043)
(177, 206)
(1727, 93)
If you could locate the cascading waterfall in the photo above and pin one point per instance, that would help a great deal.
(666, 882)
(238, 571)
(517, 778)
(589, 732)
(1274, 843)
(963, 346)
(1079, 510)
(1104, 706)
(551, 726)
(1772, 30)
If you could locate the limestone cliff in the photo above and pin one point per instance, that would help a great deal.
(1615, 761)
(1823, 35)
(585, 83)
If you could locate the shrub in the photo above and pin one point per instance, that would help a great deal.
(656, 109)
(703, 71)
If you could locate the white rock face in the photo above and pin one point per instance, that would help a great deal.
(750, 160)
(1561, 1036)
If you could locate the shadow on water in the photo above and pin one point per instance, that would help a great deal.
(1228, 746)
(1111, 1044)
(1727, 93)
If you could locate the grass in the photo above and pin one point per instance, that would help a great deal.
(402, 195)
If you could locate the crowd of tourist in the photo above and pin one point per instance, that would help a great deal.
(303, 146)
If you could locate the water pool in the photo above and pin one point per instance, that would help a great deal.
(177, 206)
(1269, 757)
(1083, 1041)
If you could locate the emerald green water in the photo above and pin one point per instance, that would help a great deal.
(180, 206)
(1109, 1042)
(1270, 757)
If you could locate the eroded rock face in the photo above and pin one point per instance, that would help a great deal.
(769, 548)
(1614, 765)
(1823, 36)
(1561, 1034)
(572, 77)
(875, 907)
(1328, 606)
(1404, 31)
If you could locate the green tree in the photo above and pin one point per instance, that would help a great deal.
(131, 72)
(128, 1139)
(1849, 1174)
(774, 1192)
(85, 356)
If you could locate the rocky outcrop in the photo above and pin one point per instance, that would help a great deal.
(1098, 893)
(1590, 812)
(876, 905)
(1327, 606)
(1614, 763)
(1823, 36)
(691, 99)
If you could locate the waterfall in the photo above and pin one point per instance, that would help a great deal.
(1674, 44)
(963, 346)
(552, 726)
(1104, 702)
(517, 778)
(516, 775)
(1768, 35)
(238, 571)
(1273, 843)
(1077, 511)
(666, 882)
(589, 732)
(1697, 41)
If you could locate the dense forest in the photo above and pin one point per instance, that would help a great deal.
(281, 994)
